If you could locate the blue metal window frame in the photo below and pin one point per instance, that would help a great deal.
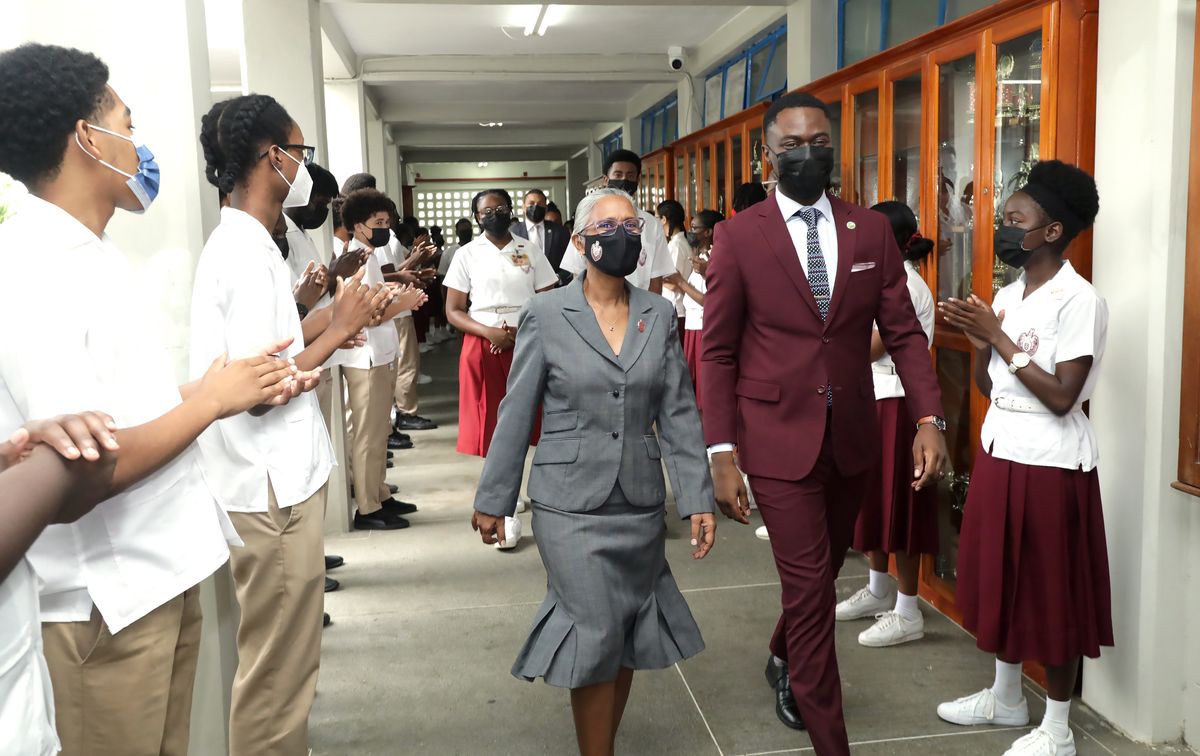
(885, 16)
(772, 38)
(654, 111)
(611, 143)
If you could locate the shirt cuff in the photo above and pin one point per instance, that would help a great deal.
(719, 448)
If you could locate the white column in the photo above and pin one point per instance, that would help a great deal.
(811, 41)
(691, 104)
(163, 77)
(376, 165)
(1147, 684)
(391, 170)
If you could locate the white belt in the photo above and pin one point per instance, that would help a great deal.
(1013, 404)
(883, 369)
(498, 310)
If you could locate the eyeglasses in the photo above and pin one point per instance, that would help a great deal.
(307, 153)
(609, 226)
(488, 212)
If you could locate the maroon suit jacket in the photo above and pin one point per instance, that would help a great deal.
(768, 356)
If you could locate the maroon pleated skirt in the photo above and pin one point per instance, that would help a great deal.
(482, 384)
(693, 343)
(894, 518)
(1033, 580)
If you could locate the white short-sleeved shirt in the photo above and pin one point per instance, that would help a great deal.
(1063, 320)
(656, 260)
(163, 535)
(887, 382)
(693, 318)
(383, 345)
(26, 700)
(500, 281)
(395, 253)
(241, 301)
(681, 254)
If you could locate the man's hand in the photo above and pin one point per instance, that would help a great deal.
(358, 340)
(490, 529)
(83, 436)
(353, 304)
(410, 297)
(234, 387)
(930, 457)
(311, 285)
(704, 534)
(380, 302)
(346, 264)
(730, 489)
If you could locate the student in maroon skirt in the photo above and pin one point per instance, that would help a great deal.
(1033, 581)
(497, 274)
(894, 518)
(700, 237)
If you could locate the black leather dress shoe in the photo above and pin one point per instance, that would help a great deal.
(331, 585)
(785, 702)
(326, 620)
(379, 521)
(390, 454)
(399, 507)
(333, 561)
(398, 442)
(393, 488)
(391, 463)
(414, 423)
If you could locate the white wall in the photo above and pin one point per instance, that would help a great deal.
(1147, 685)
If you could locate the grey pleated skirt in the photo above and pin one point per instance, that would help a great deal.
(611, 600)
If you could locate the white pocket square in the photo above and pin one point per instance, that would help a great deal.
(856, 267)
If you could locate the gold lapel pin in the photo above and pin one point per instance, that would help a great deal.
(850, 225)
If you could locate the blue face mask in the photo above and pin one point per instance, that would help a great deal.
(144, 183)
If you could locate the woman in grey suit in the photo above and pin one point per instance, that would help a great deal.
(603, 360)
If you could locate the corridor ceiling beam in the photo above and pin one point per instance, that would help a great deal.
(642, 68)
(600, 3)
(488, 154)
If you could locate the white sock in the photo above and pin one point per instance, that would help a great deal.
(906, 607)
(1007, 686)
(879, 584)
(1055, 720)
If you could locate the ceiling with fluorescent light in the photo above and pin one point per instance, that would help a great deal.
(437, 70)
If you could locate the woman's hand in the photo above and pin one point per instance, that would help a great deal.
(730, 489)
(975, 318)
(82, 436)
(700, 265)
(503, 339)
(491, 529)
(234, 387)
(704, 534)
(311, 285)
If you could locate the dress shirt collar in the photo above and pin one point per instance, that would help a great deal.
(789, 206)
(69, 232)
(531, 225)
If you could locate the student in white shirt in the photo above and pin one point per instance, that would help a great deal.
(623, 170)
(499, 274)
(1033, 581)
(699, 240)
(268, 470)
(371, 370)
(894, 519)
(671, 216)
(119, 588)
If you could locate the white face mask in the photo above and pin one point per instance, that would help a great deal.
(299, 189)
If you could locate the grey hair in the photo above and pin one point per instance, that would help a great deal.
(587, 206)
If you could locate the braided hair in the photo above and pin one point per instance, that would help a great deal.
(233, 134)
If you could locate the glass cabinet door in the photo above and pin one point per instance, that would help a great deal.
(955, 177)
(1018, 128)
(866, 147)
(681, 180)
(906, 142)
(720, 188)
(705, 202)
(758, 166)
(835, 120)
(735, 146)
(694, 201)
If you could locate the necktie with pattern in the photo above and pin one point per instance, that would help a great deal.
(818, 274)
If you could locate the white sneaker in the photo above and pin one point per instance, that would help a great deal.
(521, 505)
(1041, 743)
(424, 380)
(984, 708)
(864, 604)
(512, 533)
(762, 533)
(892, 629)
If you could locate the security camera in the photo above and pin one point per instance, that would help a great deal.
(675, 58)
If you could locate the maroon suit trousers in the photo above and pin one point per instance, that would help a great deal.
(811, 523)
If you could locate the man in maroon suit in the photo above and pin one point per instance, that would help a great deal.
(794, 286)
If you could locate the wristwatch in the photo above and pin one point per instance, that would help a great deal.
(933, 420)
(1019, 360)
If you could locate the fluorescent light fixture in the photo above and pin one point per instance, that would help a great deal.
(491, 124)
(538, 22)
(483, 164)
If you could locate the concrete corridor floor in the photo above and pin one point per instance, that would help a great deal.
(428, 621)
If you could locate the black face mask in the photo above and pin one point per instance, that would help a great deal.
(804, 172)
(617, 255)
(282, 243)
(625, 185)
(1009, 245)
(311, 219)
(693, 239)
(497, 223)
(380, 237)
(536, 213)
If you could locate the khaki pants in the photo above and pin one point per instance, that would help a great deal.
(408, 367)
(279, 579)
(369, 405)
(128, 694)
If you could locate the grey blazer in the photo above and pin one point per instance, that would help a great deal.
(600, 411)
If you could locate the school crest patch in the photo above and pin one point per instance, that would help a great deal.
(1028, 342)
(642, 259)
(597, 251)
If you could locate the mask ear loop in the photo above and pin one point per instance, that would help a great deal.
(105, 163)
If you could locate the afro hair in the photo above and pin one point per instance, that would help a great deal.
(44, 91)
(1072, 187)
(360, 205)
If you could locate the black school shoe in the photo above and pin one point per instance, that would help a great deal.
(331, 585)
(399, 442)
(414, 423)
(380, 520)
(395, 507)
(393, 488)
(333, 561)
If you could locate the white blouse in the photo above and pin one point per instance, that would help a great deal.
(1063, 320)
(383, 344)
(883, 370)
(500, 281)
